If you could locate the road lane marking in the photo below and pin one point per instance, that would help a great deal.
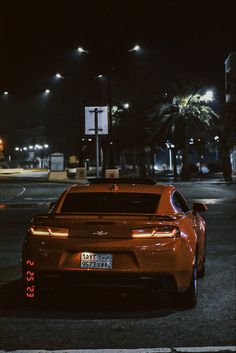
(205, 349)
(210, 349)
(212, 201)
(138, 350)
(15, 196)
(40, 198)
(23, 205)
(26, 204)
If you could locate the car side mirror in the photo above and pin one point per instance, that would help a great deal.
(199, 207)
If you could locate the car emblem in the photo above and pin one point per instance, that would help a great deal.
(100, 233)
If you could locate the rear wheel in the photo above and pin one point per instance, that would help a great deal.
(202, 270)
(189, 298)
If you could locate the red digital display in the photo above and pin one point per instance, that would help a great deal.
(30, 279)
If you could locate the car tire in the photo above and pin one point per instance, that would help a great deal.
(189, 297)
(202, 270)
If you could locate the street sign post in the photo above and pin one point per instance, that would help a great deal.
(102, 120)
(96, 123)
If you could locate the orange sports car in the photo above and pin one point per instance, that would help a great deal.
(117, 233)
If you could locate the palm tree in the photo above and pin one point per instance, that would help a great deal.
(181, 117)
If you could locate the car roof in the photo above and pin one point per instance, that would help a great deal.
(122, 187)
(131, 180)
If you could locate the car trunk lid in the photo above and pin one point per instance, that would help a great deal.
(102, 226)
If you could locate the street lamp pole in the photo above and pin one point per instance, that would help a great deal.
(111, 164)
(78, 85)
(111, 161)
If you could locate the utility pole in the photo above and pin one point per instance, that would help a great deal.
(111, 163)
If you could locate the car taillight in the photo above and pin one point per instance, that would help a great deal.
(157, 232)
(49, 231)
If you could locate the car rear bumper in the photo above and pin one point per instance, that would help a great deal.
(72, 279)
(166, 264)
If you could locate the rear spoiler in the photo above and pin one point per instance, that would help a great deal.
(149, 216)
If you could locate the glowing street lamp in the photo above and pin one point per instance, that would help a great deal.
(208, 96)
(82, 50)
(58, 75)
(126, 105)
(111, 163)
(135, 48)
(170, 146)
(47, 91)
(5, 93)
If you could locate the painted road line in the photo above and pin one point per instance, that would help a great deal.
(139, 350)
(212, 201)
(40, 199)
(15, 196)
(24, 205)
(29, 202)
(210, 349)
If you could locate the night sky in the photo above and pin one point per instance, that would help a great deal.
(39, 38)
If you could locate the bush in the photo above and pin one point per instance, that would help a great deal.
(193, 168)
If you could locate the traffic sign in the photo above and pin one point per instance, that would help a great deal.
(102, 120)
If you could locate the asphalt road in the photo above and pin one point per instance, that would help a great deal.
(106, 319)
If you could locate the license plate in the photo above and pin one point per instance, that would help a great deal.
(96, 260)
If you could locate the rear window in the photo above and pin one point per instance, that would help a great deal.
(111, 202)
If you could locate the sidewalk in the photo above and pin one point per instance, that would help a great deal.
(42, 175)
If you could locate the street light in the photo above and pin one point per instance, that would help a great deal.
(135, 48)
(208, 96)
(58, 75)
(82, 50)
(111, 163)
(217, 140)
(126, 106)
(78, 86)
(169, 145)
(47, 91)
(5, 93)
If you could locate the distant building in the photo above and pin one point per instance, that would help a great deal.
(230, 98)
(29, 146)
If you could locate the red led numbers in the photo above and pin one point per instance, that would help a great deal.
(30, 280)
